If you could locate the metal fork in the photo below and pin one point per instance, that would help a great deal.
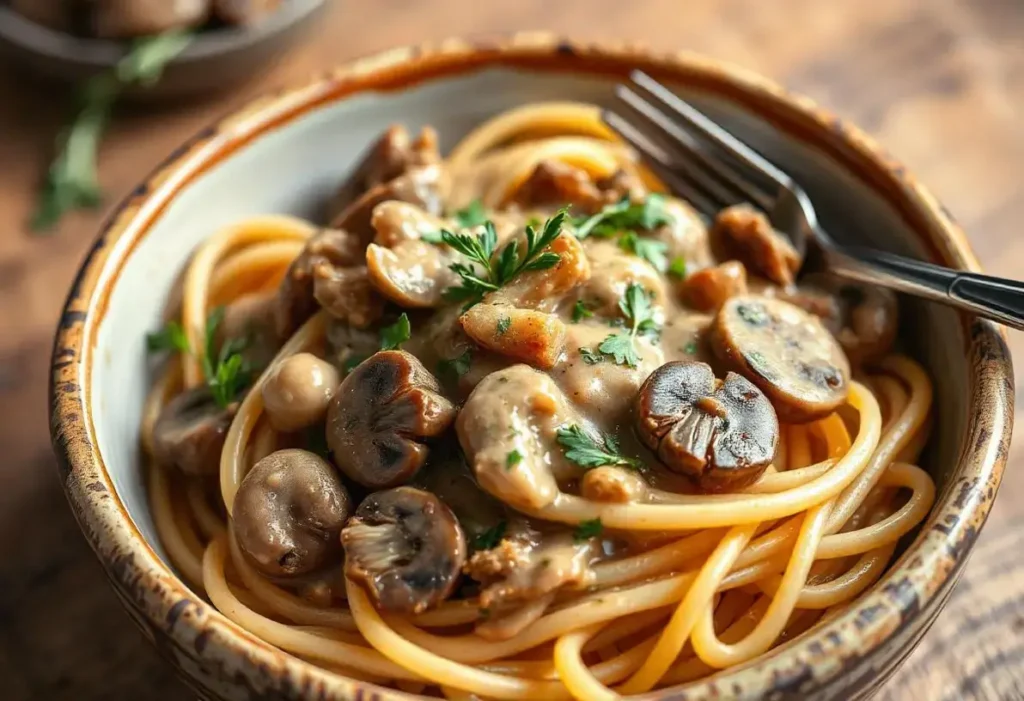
(713, 169)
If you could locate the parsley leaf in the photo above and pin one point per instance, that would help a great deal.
(677, 268)
(586, 452)
(590, 357)
(625, 215)
(471, 215)
(496, 273)
(649, 249)
(504, 322)
(226, 372)
(391, 337)
(513, 459)
(432, 237)
(587, 530)
(491, 537)
(456, 367)
(170, 338)
(636, 306)
(580, 311)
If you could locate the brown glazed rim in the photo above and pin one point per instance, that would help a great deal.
(907, 595)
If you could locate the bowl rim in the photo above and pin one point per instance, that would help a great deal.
(902, 603)
(98, 54)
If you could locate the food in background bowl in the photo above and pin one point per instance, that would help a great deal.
(127, 19)
(517, 423)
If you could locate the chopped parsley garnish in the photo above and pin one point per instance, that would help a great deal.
(650, 250)
(636, 306)
(503, 323)
(625, 216)
(497, 272)
(691, 348)
(170, 338)
(432, 237)
(677, 268)
(585, 451)
(471, 215)
(226, 373)
(590, 357)
(587, 530)
(391, 337)
(580, 311)
(752, 314)
(512, 459)
(457, 366)
(491, 537)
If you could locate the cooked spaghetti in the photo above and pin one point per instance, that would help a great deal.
(519, 425)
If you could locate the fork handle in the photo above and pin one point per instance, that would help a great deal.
(991, 297)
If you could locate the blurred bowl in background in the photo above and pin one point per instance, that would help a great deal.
(216, 58)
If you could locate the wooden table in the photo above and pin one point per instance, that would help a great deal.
(940, 82)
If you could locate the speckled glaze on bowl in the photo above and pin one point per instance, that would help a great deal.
(213, 60)
(285, 153)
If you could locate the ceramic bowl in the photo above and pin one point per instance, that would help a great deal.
(287, 152)
(214, 59)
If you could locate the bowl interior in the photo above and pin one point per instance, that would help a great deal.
(296, 166)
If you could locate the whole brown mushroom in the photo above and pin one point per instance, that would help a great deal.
(289, 512)
(721, 434)
(406, 547)
(379, 417)
(190, 431)
(298, 390)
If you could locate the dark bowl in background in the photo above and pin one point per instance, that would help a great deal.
(216, 58)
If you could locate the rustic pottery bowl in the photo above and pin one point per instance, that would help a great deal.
(287, 151)
(214, 59)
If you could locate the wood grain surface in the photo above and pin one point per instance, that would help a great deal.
(939, 82)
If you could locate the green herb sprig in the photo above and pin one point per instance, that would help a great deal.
(624, 216)
(491, 537)
(586, 530)
(72, 181)
(392, 337)
(502, 269)
(636, 306)
(581, 448)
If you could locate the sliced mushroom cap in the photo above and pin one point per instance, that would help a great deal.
(864, 318)
(721, 434)
(423, 186)
(379, 417)
(126, 19)
(406, 547)
(706, 290)
(297, 391)
(289, 512)
(786, 352)
(412, 274)
(744, 233)
(189, 433)
(532, 337)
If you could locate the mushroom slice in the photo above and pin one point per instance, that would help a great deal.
(720, 434)
(397, 222)
(508, 430)
(747, 235)
(380, 415)
(786, 352)
(406, 547)
(863, 318)
(190, 431)
(532, 337)
(706, 290)
(288, 513)
(412, 274)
